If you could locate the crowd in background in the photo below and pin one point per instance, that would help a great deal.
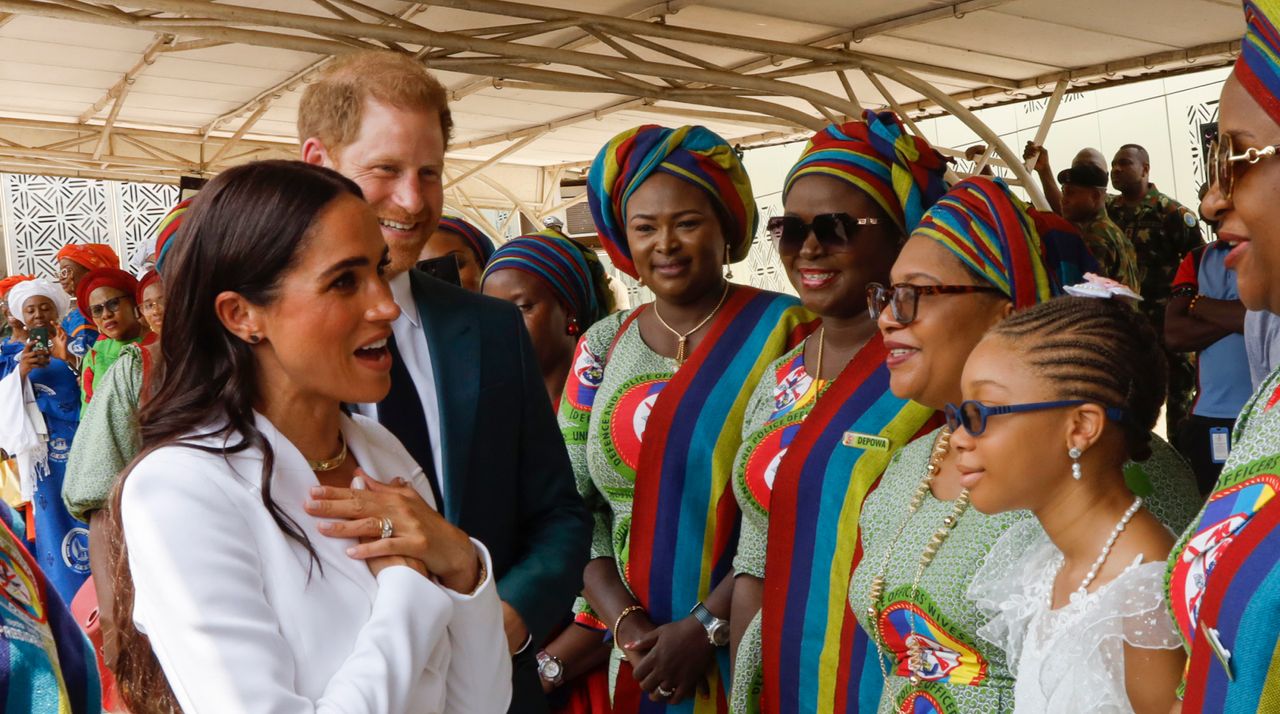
(336, 451)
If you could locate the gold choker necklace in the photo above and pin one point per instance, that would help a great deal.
(323, 465)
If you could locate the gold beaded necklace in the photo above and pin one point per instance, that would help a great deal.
(915, 654)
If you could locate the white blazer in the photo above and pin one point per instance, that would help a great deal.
(242, 620)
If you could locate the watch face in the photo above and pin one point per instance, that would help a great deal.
(719, 633)
(550, 670)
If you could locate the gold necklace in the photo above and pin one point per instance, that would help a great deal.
(323, 465)
(822, 340)
(683, 340)
(915, 654)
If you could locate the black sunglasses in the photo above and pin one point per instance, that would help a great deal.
(835, 232)
(973, 415)
(112, 306)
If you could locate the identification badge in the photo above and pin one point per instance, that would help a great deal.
(1222, 654)
(869, 442)
(1219, 444)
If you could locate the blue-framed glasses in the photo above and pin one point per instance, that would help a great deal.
(973, 415)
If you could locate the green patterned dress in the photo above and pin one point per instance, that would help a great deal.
(778, 406)
(604, 442)
(962, 672)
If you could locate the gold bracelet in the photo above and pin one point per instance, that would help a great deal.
(1192, 305)
(629, 610)
(483, 576)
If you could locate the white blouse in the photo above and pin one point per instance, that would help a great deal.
(242, 620)
(1069, 660)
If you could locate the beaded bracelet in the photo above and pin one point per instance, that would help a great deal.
(1192, 306)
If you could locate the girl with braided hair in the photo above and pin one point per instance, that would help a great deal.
(1076, 596)
(978, 256)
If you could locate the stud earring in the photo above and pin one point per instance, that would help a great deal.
(1076, 472)
(254, 339)
(728, 267)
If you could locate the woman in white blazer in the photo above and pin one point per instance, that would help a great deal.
(234, 597)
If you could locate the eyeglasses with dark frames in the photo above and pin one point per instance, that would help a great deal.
(904, 298)
(112, 306)
(973, 415)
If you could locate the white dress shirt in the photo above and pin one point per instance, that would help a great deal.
(243, 620)
(411, 340)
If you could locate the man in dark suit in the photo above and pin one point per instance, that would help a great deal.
(466, 399)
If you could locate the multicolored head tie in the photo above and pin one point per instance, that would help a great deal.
(565, 265)
(994, 234)
(900, 171)
(1258, 66)
(691, 153)
(167, 229)
(89, 256)
(479, 243)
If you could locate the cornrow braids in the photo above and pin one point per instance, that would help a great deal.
(1101, 351)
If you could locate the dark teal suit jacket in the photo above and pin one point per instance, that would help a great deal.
(507, 479)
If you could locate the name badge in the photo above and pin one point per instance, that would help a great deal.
(1222, 654)
(1219, 444)
(869, 442)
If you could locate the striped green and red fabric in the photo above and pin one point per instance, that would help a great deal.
(685, 517)
(815, 655)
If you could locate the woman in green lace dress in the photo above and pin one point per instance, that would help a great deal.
(978, 255)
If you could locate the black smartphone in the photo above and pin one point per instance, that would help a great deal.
(443, 268)
(41, 337)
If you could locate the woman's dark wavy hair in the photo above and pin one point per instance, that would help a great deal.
(1101, 351)
(243, 234)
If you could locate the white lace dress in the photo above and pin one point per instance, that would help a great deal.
(1069, 660)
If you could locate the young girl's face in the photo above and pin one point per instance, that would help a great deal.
(1020, 460)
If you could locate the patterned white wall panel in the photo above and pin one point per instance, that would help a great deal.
(138, 208)
(43, 213)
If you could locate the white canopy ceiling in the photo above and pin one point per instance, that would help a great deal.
(154, 89)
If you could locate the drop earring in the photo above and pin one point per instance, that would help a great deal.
(1076, 472)
(573, 329)
(728, 268)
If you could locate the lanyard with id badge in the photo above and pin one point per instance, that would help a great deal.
(1219, 444)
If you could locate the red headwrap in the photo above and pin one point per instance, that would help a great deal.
(103, 278)
(12, 280)
(90, 255)
(151, 278)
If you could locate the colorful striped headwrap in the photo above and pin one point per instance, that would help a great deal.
(901, 172)
(997, 236)
(565, 265)
(692, 153)
(90, 256)
(479, 243)
(1258, 67)
(169, 226)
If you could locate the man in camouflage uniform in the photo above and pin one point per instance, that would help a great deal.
(1162, 231)
(1084, 203)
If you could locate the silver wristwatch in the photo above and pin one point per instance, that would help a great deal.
(550, 668)
(717, 629)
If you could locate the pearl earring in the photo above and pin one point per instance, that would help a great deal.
(1076, 473)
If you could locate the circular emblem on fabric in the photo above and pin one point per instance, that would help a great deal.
(75, 549)
(1189, 219)
(764, 459)
(630, 417)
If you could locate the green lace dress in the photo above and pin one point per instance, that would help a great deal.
(960, 672)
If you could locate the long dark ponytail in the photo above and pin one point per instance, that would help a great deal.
(244, 232)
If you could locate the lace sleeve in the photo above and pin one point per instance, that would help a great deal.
(1009, 587)
(1136, 615)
